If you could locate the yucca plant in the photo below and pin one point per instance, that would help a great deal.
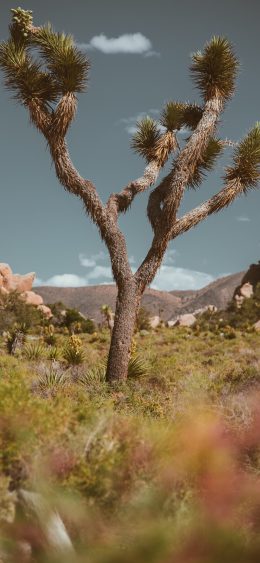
(46, 70)
(53, 353)
(137, 367)
(73, 352)
(34, 351)
(51, 379)
(94, 375)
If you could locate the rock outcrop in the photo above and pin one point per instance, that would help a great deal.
(187, 319)
(23, 285)
(248, 284)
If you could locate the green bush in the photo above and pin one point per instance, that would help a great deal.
(14, 310)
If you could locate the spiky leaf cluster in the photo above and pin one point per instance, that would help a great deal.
(24, 76)
(146, 137)
(63, 60)
(246, 158)
(214, 70)
(21, 23)
(172, 115)
(206, 163)
(191, 115)
(176, 115)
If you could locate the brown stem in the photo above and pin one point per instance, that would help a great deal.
(128, 300)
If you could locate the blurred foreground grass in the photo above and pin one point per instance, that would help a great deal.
(164, 468)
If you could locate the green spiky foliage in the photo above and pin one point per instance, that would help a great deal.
(191, 115)
(172, 116)
(207, 163)
(145, 139)
(23, 76)
(176, 115)
(63, 60)
(214, 70)
(246, 158)
(60, 69)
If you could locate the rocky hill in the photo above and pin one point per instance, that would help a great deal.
(167, 305)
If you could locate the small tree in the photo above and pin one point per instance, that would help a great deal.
(46, 70)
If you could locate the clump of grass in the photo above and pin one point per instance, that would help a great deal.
(34, 351)
(93, 375)
(53, 353)
(137, 367)
(51, 378)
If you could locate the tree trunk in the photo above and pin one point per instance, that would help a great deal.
(127, 304)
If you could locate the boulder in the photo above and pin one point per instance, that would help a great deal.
(246, 290)
(32, 298)
(3, 291)
(186, 320)
(154, 321)
(5, 270)
(23, 283)
(45, 310)
(257, 326)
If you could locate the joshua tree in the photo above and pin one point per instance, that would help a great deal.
(45, 70)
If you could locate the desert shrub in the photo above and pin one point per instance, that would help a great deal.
(143, 320)
(58, 311)
(248, 313)
(15, 338)
(14, 310)
(71, 319)
(34, 351)
(73, 352)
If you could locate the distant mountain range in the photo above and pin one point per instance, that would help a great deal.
(166, 304)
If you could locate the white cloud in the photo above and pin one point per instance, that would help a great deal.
(243, 219)
(94, 258)
(170, 256)
(169, 278)
(100, 272)
(130, 122)
(65, 280)
(152, 54)
(131, 43)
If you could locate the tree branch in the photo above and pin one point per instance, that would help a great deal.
(213, 205)
(120, 202)
(165, 145)
(188, 159)
(165, 200)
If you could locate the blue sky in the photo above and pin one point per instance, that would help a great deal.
(140, 56)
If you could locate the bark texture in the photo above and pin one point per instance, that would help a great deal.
(127, 305)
